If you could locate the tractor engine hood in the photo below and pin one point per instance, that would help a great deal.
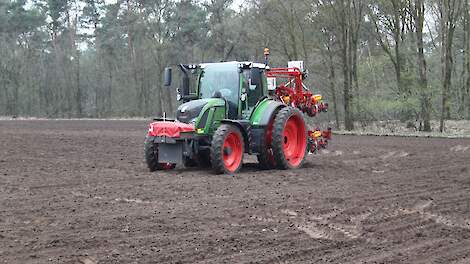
(188, 112)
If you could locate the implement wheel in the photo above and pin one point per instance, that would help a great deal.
(227, 149)
(151, 157)
(289, 139)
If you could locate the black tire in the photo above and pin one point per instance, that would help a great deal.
(204, 158)
(278, 137)
(151, 157)
(265, 157)
(217, 149)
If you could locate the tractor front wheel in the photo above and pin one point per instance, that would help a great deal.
(151, 157)
(289, 139)
(227, 149)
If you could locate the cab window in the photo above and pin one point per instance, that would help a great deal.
(254, 92)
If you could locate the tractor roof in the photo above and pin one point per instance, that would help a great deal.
(247, 64)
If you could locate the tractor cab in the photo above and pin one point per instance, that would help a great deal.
(226, 90)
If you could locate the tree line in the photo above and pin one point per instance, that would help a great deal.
(372, 60)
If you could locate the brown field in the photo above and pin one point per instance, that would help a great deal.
(79, 192)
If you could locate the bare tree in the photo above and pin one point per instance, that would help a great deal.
(464, 108)
(418, 12)
(332, 79)
(349, 15)
(450, 11)
(388, 19)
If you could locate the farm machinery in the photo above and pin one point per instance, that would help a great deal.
(234, 108)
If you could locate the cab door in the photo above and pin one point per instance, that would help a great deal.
(251, 90)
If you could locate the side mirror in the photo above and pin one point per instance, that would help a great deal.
(167, 77)
(255, 76)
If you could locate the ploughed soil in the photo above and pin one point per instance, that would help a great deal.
(79, 192)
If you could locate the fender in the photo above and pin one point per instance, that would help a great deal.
(265, 112)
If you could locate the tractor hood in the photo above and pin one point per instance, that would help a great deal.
(188, 112)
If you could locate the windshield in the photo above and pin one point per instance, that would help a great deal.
(222, 77)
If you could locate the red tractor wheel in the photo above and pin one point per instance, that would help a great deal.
(289, 138)
(227, 149)
(151, 157)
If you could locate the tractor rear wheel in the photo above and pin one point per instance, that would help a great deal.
(151, 157)
(227, 149)
(289, 138)
(265, 156)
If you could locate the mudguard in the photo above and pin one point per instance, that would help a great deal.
(265, 112)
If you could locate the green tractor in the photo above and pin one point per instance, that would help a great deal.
(232, 108)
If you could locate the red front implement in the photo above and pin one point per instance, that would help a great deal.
(169, 129)
(163, 129)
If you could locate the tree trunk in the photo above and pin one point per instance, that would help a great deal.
(422, 67)
(132, 57)
(448, 10)
(79, 96)
(346, 61)
(397, 40)
(109, 97)
(354, 77)
(332, 80)
(467, 55)
(98, 86)
(348, 121)
(372, 70)
(16, 84)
